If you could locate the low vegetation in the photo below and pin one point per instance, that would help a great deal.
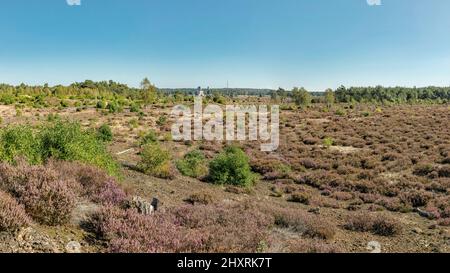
(155, 160)
(231, 167)
(193, 164)
(61, 140)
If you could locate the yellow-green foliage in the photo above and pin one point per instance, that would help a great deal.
(155, 160)
(62, 140)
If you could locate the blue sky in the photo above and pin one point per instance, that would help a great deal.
(250, 43)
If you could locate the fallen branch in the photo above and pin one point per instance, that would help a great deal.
(126, 151)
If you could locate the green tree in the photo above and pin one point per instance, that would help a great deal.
(148, 91)
(329, 97)
(301, 96)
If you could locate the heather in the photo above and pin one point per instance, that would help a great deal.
(182, 229)
(12, 214)
(49, 193)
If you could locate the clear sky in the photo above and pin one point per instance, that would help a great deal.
(250, 43)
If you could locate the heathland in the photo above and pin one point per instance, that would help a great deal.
(81, 164)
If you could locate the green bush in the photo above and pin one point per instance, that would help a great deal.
(64, 103)
(19, 141)
(135, 108)
(193, 164)
(68, 141)
(60, 140)
(155, 161)
(231, 167)
(149, 138)
(114, 107)
(101, 104)
(104, 133)
(328, 142)
(162, 120)
(340, 112)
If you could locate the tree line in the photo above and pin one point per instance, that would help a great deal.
(149, 93)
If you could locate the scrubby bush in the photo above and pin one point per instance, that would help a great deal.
(184, 229)
(193, 164)
(12, 214)
(19, 141)
(423, 170)
(114, 107)
(155, 161)
(68, 141)
(135, 108)
(101, 104)
(379, 225)
(95, 184)
(301, 222)
(203, 198)
(300, 197)
(109, 193)
(59, 140)
(162, 120)
(328, 142)
(104, 133)
(415, 198)
(231, 167)
(131, 232)
(444, 171)
(228, 228)
(314, 246)
(46, 198)
(149, 138)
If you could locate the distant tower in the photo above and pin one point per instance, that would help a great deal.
(200, 92)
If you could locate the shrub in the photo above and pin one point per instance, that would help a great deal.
(415, 198)
(444, 222)
(64, 104)
(114, 107)
(300, 197)
(379, 225)
(135, 108)
(101, 104)
(46, 198)
(149, 138)
(183, 229)
(231, 167)
(340, 112)
(328, 142)
(68, 141)
(12, 214)
(299, 221)
(233, 228)
(104, 133)
(19, 141)
(155, 161)
(342, 196)
(423, 170)
(385, 226)
(444, 171)
(193, 164)
(315, 246)
(202, 198)
(110, 194)
(131, 232)
(96, 184)
(59, 140)
(133, 123)
(162, 120)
